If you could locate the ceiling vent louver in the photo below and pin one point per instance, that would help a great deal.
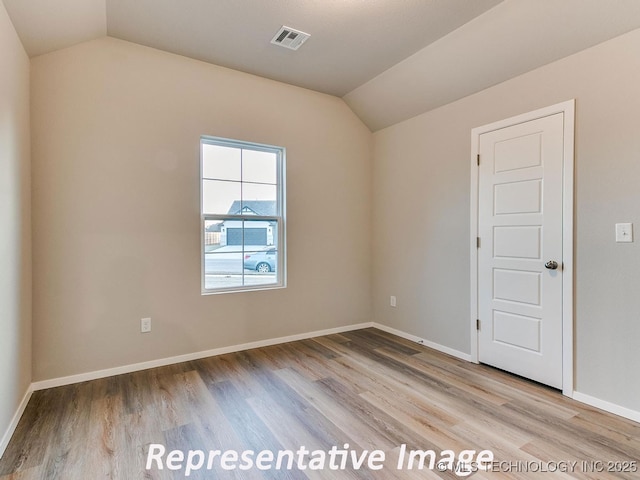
(290, 38)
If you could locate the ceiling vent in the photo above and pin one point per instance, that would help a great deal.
(290, 38)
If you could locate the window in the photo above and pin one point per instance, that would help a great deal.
(242, 215)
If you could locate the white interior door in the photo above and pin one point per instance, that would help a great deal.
(520, 214)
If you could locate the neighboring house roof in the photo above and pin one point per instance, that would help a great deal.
(265, 208)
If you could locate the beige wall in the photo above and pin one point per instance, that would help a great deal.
(15, 224)
(421, 182)
(116, 131)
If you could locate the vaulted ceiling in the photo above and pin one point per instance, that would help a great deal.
(389, 59)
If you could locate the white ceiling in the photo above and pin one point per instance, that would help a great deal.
(515, 37)
(390, 59)
(351, 40)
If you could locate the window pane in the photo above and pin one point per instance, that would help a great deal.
(223, 269)
(241, 196)
(219, 197)
(261, 253)
(258, 199)
(259, 167)
(259, 234)
(221, 163)
(212, 235)
(256, 278)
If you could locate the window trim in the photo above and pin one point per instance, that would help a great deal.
(280, 219)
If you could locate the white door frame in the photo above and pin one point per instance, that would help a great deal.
(568, 110)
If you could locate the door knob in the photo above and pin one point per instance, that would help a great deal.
(551, 265)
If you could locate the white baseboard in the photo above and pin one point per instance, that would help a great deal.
(83, 377)
(422, 341)
(580, 397)
(607, 406)
(56, 382)
(109, 372)
(14, 421)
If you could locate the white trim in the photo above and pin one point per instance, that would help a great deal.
(607, 406)
(281, 267)
(568, 110)
(4, 443)
(57, 382)
(421, 341)
(473, 246)
(109, 372)
(568, 175)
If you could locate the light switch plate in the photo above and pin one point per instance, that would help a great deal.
(624, 232)
(145, 325)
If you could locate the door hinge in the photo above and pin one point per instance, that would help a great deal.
(477, 242)
(478, 159)
(477, 324)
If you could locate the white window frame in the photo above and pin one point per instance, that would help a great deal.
(279, 218)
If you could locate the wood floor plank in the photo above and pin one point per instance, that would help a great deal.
(454, 403)
(167, 399)
(499, 382)
(563, 432)
(212, 425)
(31, 451)
(103, 450)
(292, 436)
(390, 392)
(591, 417)
(253, 432)
(367, 437)
(303, 413)
(366, 388)
(34, 473)
(453, 380)
(375, 376)
(547, 453)
(301, 360)
(74, 422)
(373, 339)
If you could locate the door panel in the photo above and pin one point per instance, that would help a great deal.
(518, 152)
(516, 330)
(517, 242)
(517, 286)
(518, 197)
(520, 225)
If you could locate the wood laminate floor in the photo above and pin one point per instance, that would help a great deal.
(366, 388)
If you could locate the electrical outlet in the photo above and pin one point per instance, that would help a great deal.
(145, 325)
(392, 301)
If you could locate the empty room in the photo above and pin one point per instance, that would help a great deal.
(202, 270)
